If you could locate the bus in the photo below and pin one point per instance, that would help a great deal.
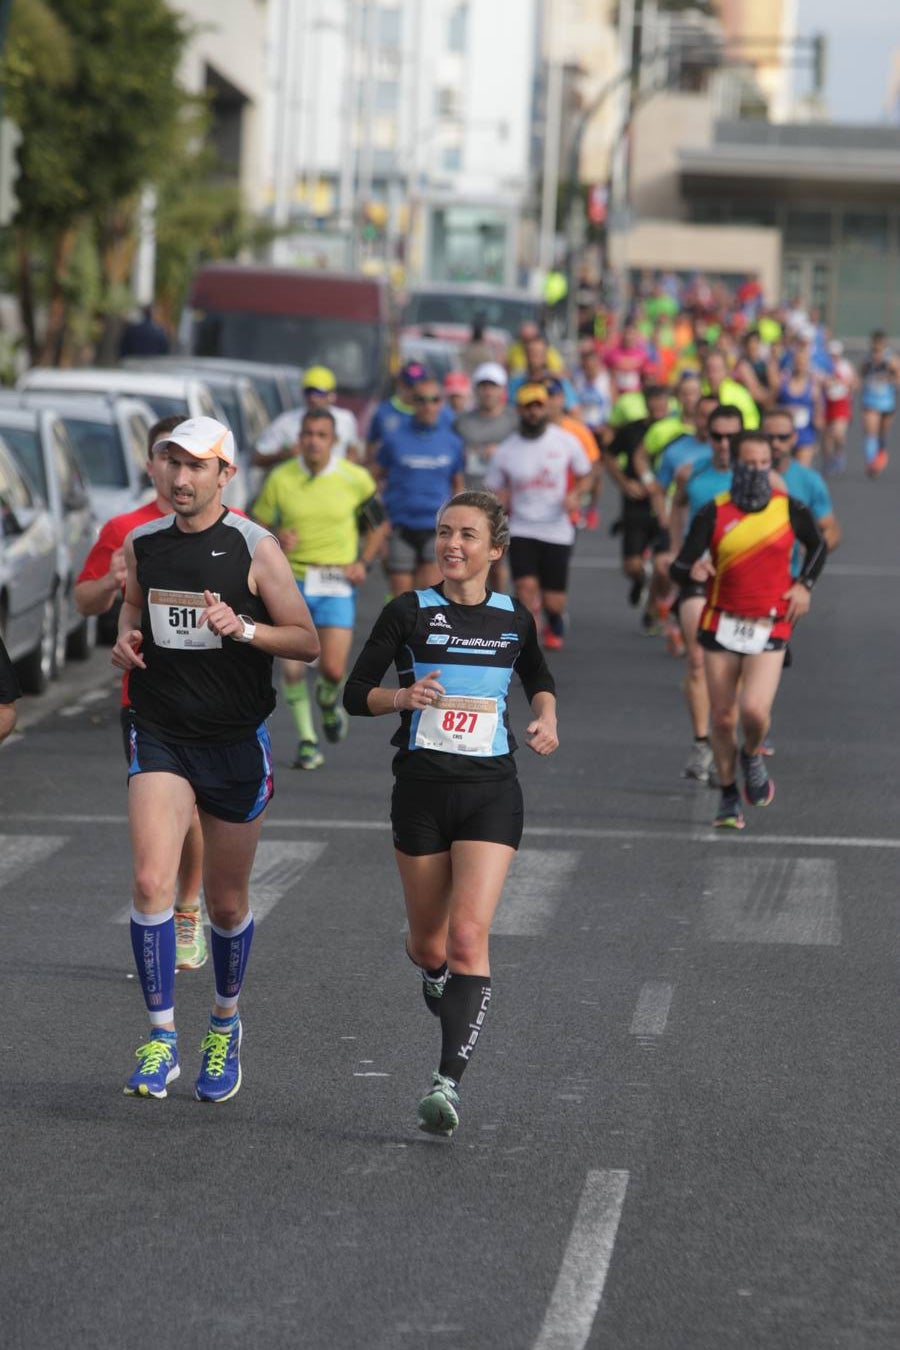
(302, 318)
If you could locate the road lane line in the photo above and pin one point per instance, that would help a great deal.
(19, 851)
(579, 1285)
(652, 1011)
(278, 868)
(777, 900)
(715, 838)
(538, 879)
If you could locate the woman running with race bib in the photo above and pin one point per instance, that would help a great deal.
(456, 809)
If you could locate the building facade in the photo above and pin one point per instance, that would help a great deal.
(399, 133)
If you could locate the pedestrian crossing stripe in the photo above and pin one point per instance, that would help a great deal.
(21, 851)
(776, 900)
(276, 871)
(537, 881)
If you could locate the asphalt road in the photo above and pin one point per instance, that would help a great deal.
(679, 1129)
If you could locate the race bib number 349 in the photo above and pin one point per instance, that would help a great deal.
(458, 726)
(174, 619)
(748, 637)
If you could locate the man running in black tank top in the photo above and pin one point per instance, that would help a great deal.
(209, 601)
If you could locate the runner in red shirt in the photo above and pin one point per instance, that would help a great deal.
(100, 584)
(740, 546)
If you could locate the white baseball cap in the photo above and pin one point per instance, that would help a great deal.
(490, 372)
(202, 437)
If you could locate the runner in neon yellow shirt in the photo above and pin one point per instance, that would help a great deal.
(318, 504)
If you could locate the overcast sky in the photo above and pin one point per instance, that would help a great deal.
(862, 35)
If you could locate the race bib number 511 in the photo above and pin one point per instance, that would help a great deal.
(174, 619)
(458, 726)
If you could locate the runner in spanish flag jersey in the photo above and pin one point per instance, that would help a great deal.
(740, 545)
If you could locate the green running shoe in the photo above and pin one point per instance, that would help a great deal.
(190, 940)
(439, 1109)
(309, 756)
(433, 989)
(158, 1066)
(335, 724)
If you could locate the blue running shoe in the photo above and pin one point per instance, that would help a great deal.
(439, 1109)
(758, 786)
(220, 1068)
(158, 1066)
(729, 815)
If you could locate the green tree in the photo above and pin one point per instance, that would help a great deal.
(92, 137)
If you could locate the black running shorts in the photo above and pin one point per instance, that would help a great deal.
(429, 814)
(535, 558)
(641, 530)
(231, 782)
(409, 549)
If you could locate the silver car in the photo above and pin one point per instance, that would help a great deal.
(168, 394)
(28, 577)
(38, 440)
(110, 439)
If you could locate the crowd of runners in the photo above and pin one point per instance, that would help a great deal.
(713, 420)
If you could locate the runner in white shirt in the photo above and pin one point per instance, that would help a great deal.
(540, 473)
(279, 440)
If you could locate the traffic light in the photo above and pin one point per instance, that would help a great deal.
(10, 140)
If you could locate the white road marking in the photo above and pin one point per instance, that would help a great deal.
(652, 1011)
(789, 900)
(710, 836)
(19, 851)
(537, 881)
(579, 1285)
(277, 869)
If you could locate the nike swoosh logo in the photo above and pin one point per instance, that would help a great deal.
(219, 555)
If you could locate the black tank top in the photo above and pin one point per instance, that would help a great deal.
(198, 688)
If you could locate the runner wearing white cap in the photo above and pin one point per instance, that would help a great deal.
(490, 421)
(209, 601)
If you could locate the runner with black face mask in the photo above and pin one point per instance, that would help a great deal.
(740, 546)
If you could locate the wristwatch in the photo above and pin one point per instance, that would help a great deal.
(249, 629)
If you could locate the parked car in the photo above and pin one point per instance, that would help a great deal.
(235, 394)
(309, 318)
(279, 386)
(40, 443)
(28, 577)
(110, 439)
(168, 394)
